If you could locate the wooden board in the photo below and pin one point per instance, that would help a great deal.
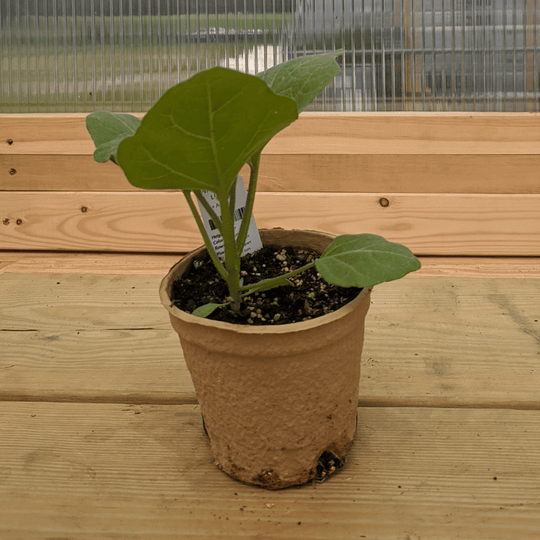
(309, 172)
(31, 262)
(429, 224)
(366, 173)
(436, 342)
(328, 133)
(341, 152)
(146, 472)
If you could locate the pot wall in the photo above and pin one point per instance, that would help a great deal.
(275, 398)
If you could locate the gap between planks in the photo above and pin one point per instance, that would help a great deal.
(172, 400)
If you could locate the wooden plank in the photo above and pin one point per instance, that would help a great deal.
(95, 366)
(474, 225)
(98, 263)
(90, 221)
(472, 153)
(328, 133)
(410, 133)
(367, 173)
(130, 472)
(401, 173)
(436, 342)
(454, 343)
(51, 133)
(158, 264)
(479, 267)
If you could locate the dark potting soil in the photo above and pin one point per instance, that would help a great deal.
(309, 296)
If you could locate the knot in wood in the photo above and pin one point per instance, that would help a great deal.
(384, 202)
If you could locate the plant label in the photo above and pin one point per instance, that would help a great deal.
(253, 240)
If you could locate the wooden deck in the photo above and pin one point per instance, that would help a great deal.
(101, 436)
(100, 432)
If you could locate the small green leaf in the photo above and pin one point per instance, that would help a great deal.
(206, 310)
(266, 285)
(202, 131)
(108, 130)
(302, 79)
(364, 260)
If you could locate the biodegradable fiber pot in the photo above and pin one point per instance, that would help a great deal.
(274, 398)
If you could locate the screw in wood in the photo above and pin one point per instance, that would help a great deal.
(12, 171)
(384, 202)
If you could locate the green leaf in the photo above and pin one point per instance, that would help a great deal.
(302, 79)
(202, 131)
(364, 260)
(206, 310)
(108, 130)
(266, 285)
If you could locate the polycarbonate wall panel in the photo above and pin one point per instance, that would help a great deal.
(121, 55)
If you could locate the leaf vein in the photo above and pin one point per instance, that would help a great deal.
(183, 130)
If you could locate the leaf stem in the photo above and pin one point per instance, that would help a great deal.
(268, 283)
(232, 260)
(215, 218)
(232, 198)
(242, 233)
(217, 263)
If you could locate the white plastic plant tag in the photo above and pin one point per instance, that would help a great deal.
(253, 240)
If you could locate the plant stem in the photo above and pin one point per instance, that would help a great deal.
(242, 234)
(232, 198)
(232, 260)
(268, 282)
(215, 218)
(217, 263)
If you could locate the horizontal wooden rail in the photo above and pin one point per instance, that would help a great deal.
(345, 152)
(430, 224)
(319, 133)
(366, 173)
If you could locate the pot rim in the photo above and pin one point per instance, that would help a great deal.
(245, 328)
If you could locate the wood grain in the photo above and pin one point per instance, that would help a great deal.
(158, 264)
(341, 152)
(96, 263)
(100, 434)
(328, 133)
(435, 342)
(146, 472)
(487, 225)
(366, 173)
(51, 133)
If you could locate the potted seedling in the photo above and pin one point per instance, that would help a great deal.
(271, 322)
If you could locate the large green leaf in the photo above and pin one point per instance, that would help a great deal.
(302, 79)
(202, 131)
(108, 130)
(364, 260)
